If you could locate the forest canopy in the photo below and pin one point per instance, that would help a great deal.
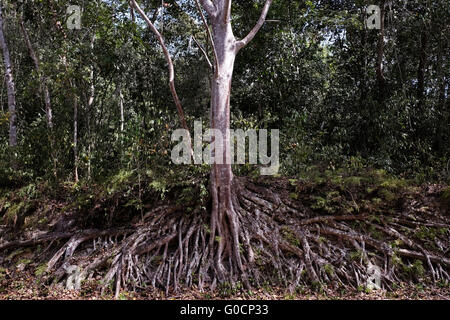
(315, 72)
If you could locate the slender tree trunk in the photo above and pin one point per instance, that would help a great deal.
(1, 95)
(89, 108)
(74, 96)
(170, 66)
(133, 16)
(122, 117)
(421, 70)
(381, 81)
(75, 121)
(46, 92)
(10, 85)
(361, 140)
(75, 137)
(443, 115)
(43, 79)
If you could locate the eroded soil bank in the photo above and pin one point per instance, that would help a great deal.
(318, 237)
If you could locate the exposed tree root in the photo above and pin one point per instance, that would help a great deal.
(279, 241)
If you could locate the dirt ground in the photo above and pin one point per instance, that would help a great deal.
(26, 286)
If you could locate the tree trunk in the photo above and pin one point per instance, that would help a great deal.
(75, 137)
(75, 121)
(225, 226)
(224, 257)
(44, 88)
(90, 103)
(421, 70)
(47, 99)
(419, 126)
(122, 117)
(224, 221)
(443, 115)
(133, 17)
(10, 86)
(381, 82)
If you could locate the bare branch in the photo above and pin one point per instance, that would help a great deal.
(205, 24)
(242, 43)
(28, 43)
(169, 61)
(204, 52)
(209, 6)
(227, 8)
(133, 18)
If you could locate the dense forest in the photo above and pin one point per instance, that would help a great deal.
(93, 90)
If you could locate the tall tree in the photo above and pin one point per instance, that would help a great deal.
(421, 69)
(381, 81)
(90, 103)
(224, 219)
(44, 88)
(9, 78)
(42, 77)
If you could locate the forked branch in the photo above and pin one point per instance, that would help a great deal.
(208, 32)
(227, 8)
(169, 61)
(242, 43)
(209, 7)
(203, 51)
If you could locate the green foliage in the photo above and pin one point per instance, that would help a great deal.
(116, 182)
(387, 195)
(416, 269)
(13, 211)
(41, 270)
(376, 234)
(290, 237)
(446, 197)
(320, 89)
(424, 233)
(329, 269)
(331, 203)
(227, 290)
(356, 255)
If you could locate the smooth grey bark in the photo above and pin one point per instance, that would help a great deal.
(9, 84)
(381, 81)
(122, 117)
(224, 220)
(226, 47)
(75, 137)
(90, 103)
